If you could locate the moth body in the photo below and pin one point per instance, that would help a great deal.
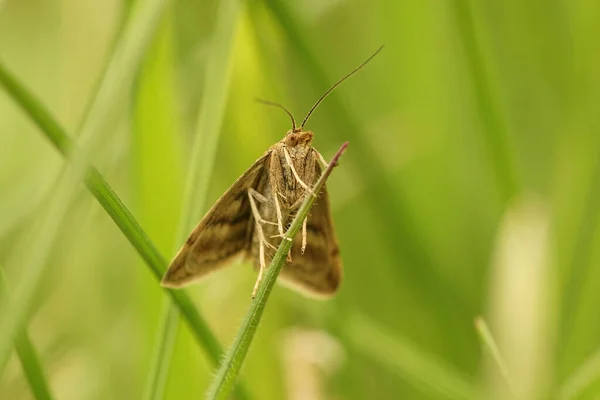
(252, 216)
(250, 219)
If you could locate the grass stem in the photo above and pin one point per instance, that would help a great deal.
(230, 368)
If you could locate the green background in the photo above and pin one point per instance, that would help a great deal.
(471, 187)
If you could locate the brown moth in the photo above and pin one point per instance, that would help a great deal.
(250, 219)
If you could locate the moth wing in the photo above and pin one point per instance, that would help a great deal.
(319, 270)
(224, 233)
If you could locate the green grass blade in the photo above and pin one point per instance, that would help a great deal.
(156, 128)
(210, 117)
(119, 75)
(580, 264)
(201, 163)
(425, 371)
(115, 209)
(134, 233)
(232, 364)
(496, 132)
(161, 359)
(32, 367)
(28, 356)
(487, 338)
(582, 379)
(38, 113)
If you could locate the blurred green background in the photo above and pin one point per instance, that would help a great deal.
(471, 187)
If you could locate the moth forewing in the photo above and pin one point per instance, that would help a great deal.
(224, 233)
(317, 270)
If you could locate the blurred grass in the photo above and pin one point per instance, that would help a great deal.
(198, 171)
(158, 191)
(121, 69)
(469, 104)
(489, 342)
(582, 379)
(431, 375)
(32, 367)
(28, 355)
(486, 98)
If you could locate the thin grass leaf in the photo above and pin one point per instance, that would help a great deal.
(111, 203)
(163, 351)
(232, 364)
(424, 371)
(496, 132)
(202, 158)
(156, 125)
(582, 379)
(520, 294)
(32, 366)
(487, 338)
(118, 77)
(580, 262)
(28, 355)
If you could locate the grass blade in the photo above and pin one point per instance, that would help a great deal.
(426, 372)
(161, 359)
(119, 75)
(156, 128)
(201, 163)
(582, 379)
(28, 356)
(580, 262)
(32, 367)
(487, 338)
(111, 203)
(232, 364)
(521, 283)
(496, 132)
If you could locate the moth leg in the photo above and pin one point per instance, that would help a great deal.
(279, 217)
(261, 252)
(297, 204)
(291, 164)
(252, 194)
(322, 160)
(304, 235)
(258, 196)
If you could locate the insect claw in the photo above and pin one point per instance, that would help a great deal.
(304, 234)
(269, 245)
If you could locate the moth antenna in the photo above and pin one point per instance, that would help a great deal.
(355, 70)
(272, 103)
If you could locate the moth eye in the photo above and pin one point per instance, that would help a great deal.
(292, 140)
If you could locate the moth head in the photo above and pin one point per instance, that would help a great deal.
(298, 138)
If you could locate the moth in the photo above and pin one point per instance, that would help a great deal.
(250, 219)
